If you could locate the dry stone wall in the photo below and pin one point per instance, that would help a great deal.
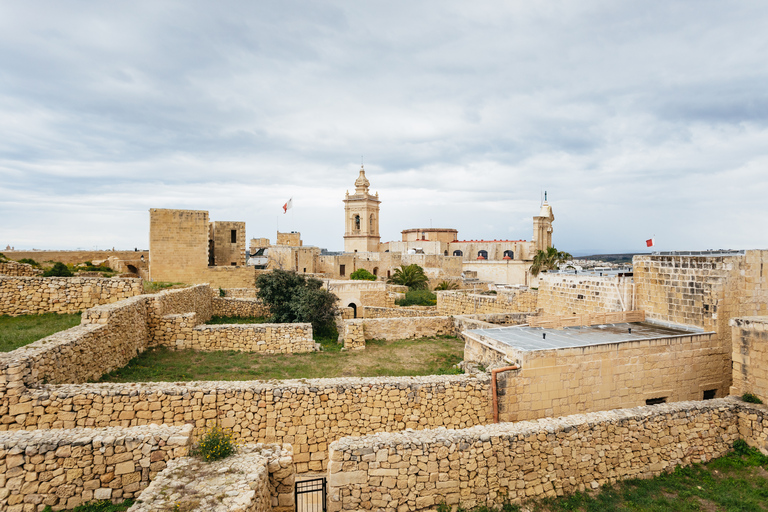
(66, 468)
(404, 327)
(561, 294)
(33, 295)
(16, 269)
(467, 303)
(397, 312)
(750, 356)
(236, 307)
(240, 293)
(308, 414)
(411, 471)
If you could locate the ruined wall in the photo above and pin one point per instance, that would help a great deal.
(485, 466)
(404, 328)
(750, 356)
(240, 293)
(34, 295)
(67, 468)
(396, 312)
(225, 306)
(308, 414)
(606, 376)
(181, 332)
(225, 251)
(467, 303)
(561, 294)
(72, 257)
(13, 268)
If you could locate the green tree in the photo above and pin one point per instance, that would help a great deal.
(294, 298)
(362, 275)
(548, 260)
(58, 270)
(412, 276)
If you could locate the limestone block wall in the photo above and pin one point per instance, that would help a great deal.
(178, 332)
(750, 356)
(378, 298)
(606, 376)
(73, 257)
(484, 466)
(66, 468)
(404, 327)
(308, 414)
(33, 295)
(239, 307)
(108, 337)
(14, 268)
(387, 312)
(467, 303)
(240, 293)
(353, 336)
(194, 299)
(566, 294)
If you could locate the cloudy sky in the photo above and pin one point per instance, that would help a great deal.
(638, 119)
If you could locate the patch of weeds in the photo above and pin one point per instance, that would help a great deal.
(222, 293)
(752, 399)
(99, 506)
(157, 286)
(30, 261)
(215, 444)
(417, 298)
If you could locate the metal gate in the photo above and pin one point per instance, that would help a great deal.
(310, 495)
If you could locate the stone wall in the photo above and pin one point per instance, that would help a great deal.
(109, 336)
(259, 478)
(403, 328)
(194, 299)
(466, 303)
(72, 257)
(181, 332)
(750, 356)
(561, 294)
(34, 295)
(308, 414)
(397, 312)
(16, 269)
(240, 293)
(487, 465)
(239, 307)
(66, 468)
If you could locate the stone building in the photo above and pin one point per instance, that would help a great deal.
(361, 214)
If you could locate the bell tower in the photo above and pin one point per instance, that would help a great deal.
(361, 217)
(542, 227)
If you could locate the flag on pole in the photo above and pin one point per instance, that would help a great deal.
(650, 242)
(287, 206)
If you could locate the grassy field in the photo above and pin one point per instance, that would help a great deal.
(17, 331)
(427, 356)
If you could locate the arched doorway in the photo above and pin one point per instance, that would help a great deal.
(354, 309)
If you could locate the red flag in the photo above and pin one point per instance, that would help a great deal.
(287, 206)
(649, 242)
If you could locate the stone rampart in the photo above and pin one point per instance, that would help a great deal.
(108, 337)
(33, 295)
(467, 303)
(308, 414)
(750, 356)
(487, 465)
(396, 312)
(259, 478)
(236, 307)
(562, 294)
(16, 269)
(66, 468)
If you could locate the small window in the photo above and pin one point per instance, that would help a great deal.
(655, 401)
(305, 270)
(445, 253)
(233, 235)
(458, 253)
(342, 270)
(509, 254)
(376, 271)
(233, 264)
(389, 274)
(482, 255)
(709, 394)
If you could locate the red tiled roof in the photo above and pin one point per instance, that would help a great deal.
(484, 241)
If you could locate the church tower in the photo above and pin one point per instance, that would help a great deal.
(361, 214)
(542, 227)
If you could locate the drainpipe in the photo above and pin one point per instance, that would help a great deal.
(494, 389)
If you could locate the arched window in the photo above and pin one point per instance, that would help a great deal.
(376, 271)
(354, 309)
(458, 253)
(357, 222)
(370, 225)
(509, 255)
(482, 255)
(445, 253)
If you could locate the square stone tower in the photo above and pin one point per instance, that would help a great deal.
(361, 214)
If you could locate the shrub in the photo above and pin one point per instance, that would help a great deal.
(418, 298)
(215, 444)
(294, 298)
(222, 293)
(447, 285)
(29, 261)
(412, 276)
(752, 399)
(58, 270)
(362, 275)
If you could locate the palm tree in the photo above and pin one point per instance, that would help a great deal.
(547, 260)
(447, 285)
(412, 276)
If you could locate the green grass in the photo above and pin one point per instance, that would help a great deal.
(158, 286)
(427, 356)
(17, 331)
(215, 320)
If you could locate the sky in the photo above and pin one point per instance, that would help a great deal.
(639, 119)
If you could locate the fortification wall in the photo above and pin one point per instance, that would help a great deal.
(67, 468)
(750, 356)
(485, 466)
(34, 295)
(16, 269)
(398, 312)
(72, 257)
(565, 294)
(506, 301)
(308, 414)
(235, 307)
